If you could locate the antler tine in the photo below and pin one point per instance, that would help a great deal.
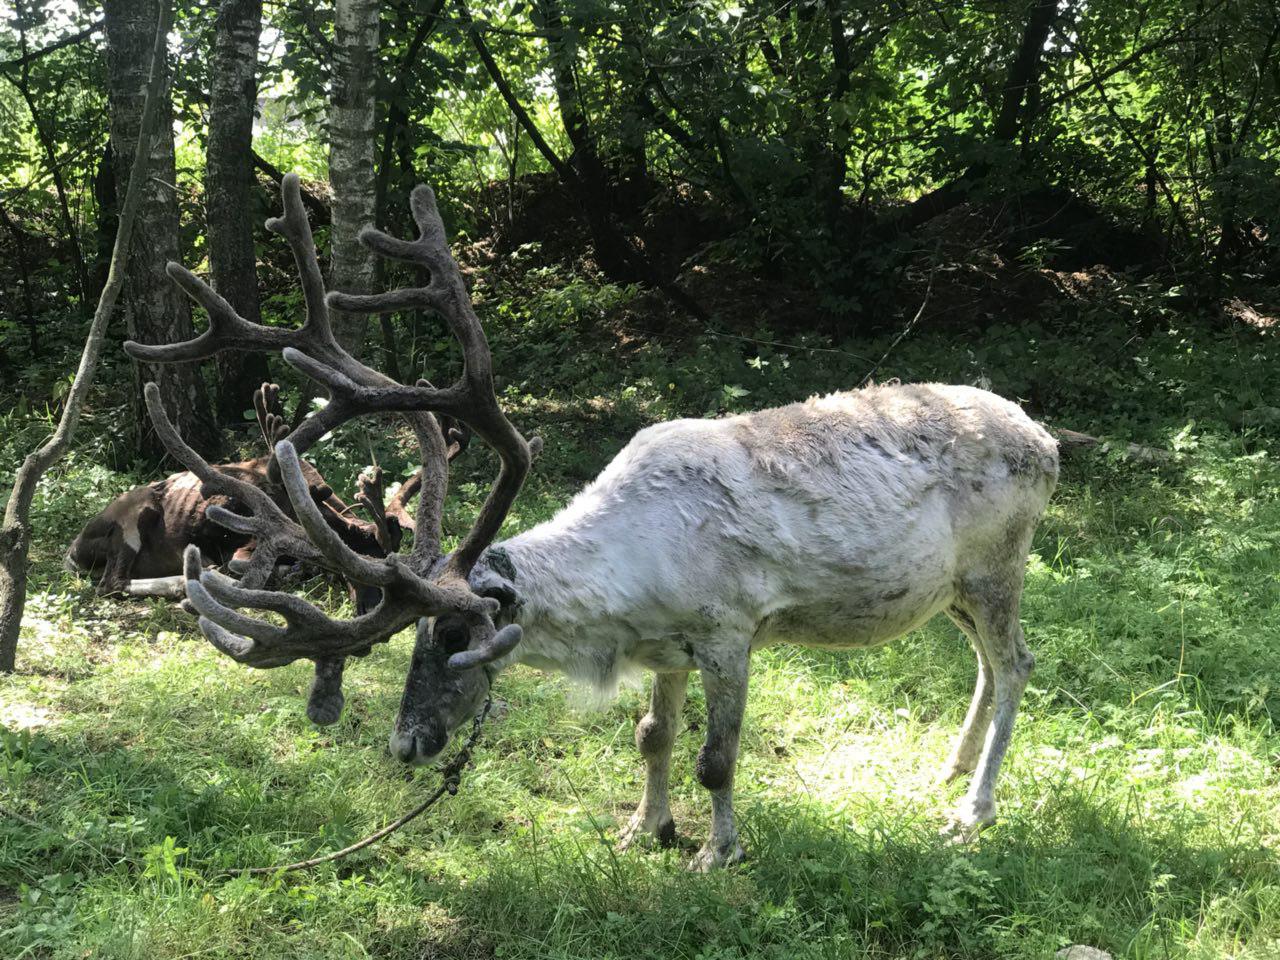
(446, 293)
(271, 423)
(226, 330)
(270, 412)
(296, 230)
(370, 495)
(261, 568)
(357, 398)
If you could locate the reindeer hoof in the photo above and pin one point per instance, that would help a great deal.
(969, 820)
(642, 830)
(325, 709)
(714, 856)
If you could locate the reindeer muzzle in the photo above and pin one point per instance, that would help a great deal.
(419, 744)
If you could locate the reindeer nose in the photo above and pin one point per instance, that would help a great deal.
(403, 747)
(416, 747)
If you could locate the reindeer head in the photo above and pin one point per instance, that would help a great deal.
(450, 674)
(424, 587)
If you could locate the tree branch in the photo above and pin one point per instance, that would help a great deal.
(29, 58)
(318, 208)
(562, 169)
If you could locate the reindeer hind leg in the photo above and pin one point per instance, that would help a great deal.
(994, 602)
(968, 746)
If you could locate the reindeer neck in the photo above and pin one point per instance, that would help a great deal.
(548, 566)
(564, 572)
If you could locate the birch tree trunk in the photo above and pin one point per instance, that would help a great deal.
(156, 311)
(228, 187)
(352, 146)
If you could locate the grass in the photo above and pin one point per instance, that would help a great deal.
(1140, 807)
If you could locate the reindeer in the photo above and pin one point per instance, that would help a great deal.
(134, 546)
(841, 522)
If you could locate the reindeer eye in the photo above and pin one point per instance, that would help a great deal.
(453, 637)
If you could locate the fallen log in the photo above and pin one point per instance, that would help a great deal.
(1072, 442)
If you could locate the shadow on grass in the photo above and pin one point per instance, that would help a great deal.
(818, 885)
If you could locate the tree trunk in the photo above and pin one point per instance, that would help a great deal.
(352, 146)
(15, 526)
(1014, 115)
(104, 198)
(1024, 74)
(229, 186)
(592, 186)
(15, 543)
(156, 311)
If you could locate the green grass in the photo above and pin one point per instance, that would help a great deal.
(1140, 807)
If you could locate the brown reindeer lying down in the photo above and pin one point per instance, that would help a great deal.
(134, 547)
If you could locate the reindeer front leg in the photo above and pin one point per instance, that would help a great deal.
(325, 700)
(724, 680)
(655, 736)
(121, 552)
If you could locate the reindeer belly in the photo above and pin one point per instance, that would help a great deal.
(866, 605)
(844, 624)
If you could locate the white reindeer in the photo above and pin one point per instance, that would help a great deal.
(844, 521)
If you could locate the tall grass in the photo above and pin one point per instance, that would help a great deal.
(1140, 806)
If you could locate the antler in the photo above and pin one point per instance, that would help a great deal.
(370, 496)
(271, 421)
(419, 585)
(457, 436)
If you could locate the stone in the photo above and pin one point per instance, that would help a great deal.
(1079, 951)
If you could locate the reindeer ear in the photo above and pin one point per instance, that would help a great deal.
(485, 582)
